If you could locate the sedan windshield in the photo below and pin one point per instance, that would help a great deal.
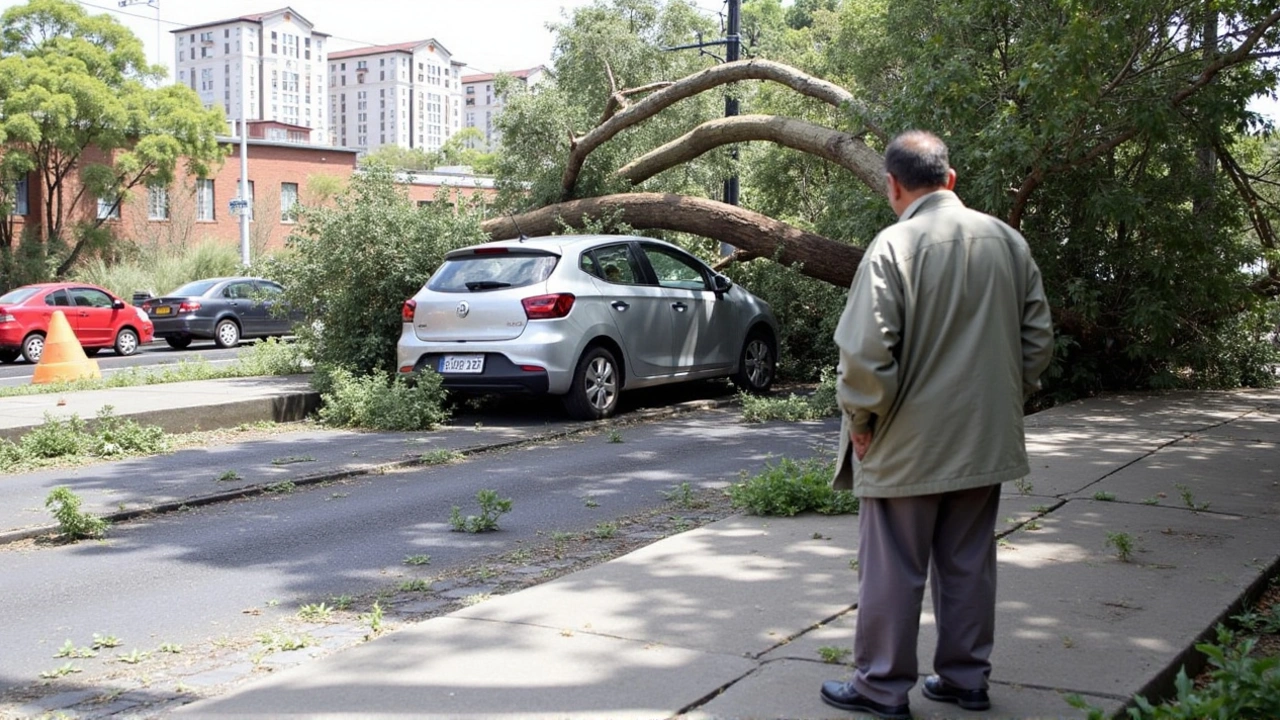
(194, 289)
(476, 273)
(14, 297)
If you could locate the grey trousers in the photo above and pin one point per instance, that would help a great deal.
(952, 537)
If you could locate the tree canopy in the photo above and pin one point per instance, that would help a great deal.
(75, 103)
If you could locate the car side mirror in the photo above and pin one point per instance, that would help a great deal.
(721, 283)
(117, 304)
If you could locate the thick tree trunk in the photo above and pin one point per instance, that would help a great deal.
(843, 149)
(756, 235)
(689, 86)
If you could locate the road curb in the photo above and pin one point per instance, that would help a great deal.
(291, 403)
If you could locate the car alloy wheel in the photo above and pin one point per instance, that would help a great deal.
(33, 348)
(594, 394)
(227, 334)
(756, 366)
(126, 342)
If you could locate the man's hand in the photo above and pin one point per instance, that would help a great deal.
(861, 441)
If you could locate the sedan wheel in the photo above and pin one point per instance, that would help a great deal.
(126, 342)
(594, 394)
(756, 365)
(227, 334)
(33, 348)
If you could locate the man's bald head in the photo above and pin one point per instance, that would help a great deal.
(917, 160)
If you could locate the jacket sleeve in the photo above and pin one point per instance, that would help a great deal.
(867, 336)
(1037, 332)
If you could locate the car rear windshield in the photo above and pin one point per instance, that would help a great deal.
(16, 296)
(194, 289)
(477, 273)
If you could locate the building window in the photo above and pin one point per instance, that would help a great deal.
(157, 203)
(20, 206)
(108, 208)
(288, 202)
(205, 208)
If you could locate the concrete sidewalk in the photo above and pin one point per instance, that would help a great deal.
(727, 621)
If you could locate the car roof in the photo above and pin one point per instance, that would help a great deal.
(61, 285)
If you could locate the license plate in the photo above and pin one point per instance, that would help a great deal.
(462, 364)
(163, 310)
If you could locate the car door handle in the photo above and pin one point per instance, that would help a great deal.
(679, 306)
(619, 305)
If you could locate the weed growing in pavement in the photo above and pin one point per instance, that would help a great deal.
(172, 648)
(62, 440)
(134, 657)
(1031, 525)
(680, 523)
(315, 612)
(590, 502)
(417, 559)
(605, 530)
(792, 487)
(381, 402)
(342, 602)
(73, 522)
(615, 436)
(58, 672)
(415, 585)
(793, 408)
(229, 476)
(1266, 623)
(105, 641)
(833, 655)
(1189, 498)
(274, 640)
(1122, 542)
(440, 457)
(1151, 501)
(475, 599)
(1040, 508)
(1104, 496)
(292, 459)
(373, 619)
(69, 650)
(683, 497)
(561, 536)
(520, 557)
(338, 495)
(284, 487)
(491, 508)
(54, 438)
(1023, 486)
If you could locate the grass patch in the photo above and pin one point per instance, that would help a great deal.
(792, 487)
(793, 408)
(59, 441)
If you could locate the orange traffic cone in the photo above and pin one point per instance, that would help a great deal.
(63, 360)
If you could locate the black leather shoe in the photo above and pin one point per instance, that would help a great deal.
(936, 689)
(845, 697)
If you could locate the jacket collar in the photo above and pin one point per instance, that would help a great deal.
(935, 200)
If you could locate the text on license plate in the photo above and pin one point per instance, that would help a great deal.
(163, 310)
(462, 364)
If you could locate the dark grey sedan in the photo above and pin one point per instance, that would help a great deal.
(224, 310)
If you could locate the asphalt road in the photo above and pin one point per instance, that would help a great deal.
(154, 353)
(188, 577)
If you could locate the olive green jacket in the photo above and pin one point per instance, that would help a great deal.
(944, 336)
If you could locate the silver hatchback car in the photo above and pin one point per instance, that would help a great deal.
(585, 317)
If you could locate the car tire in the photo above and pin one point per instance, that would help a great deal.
(757, 364)
(127, 342)
(90, 352)
(226, 334)
(596, 386)
(8, 356)
(178, 343)
(33, 347)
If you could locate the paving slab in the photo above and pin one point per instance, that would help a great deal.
(789, 689)
(1065, 460)
(1176, 411)
(459, 668)
(1262, 425)
(739, 586)
(1216, 473)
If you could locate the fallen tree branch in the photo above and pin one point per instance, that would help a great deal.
(752, 233)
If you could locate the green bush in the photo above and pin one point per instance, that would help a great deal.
(111, 437)
(791, 487)
(54, 438)
(271, 356)
(72, 521)
(380, 402)
(115, 436)
(820, 404)
(350, 267)
(491, 508)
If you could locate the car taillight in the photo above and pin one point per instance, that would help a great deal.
(548, 307)
(187, 306)
(406, 312)
(6, 316)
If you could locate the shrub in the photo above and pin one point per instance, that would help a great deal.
(379, 402)
(271, 356)
(113, 435)
(821, 403)
(350, 267)
(72, 521)
(791, 487)
(54, 438)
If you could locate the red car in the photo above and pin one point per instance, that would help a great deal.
(99, 319)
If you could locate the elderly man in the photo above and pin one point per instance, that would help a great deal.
(944, 336)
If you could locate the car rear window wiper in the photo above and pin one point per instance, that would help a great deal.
(475, 285)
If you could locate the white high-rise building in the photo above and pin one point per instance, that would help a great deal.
(409, 94)
(273, 63)
(482, 104)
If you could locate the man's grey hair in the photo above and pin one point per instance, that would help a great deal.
(917, 159)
